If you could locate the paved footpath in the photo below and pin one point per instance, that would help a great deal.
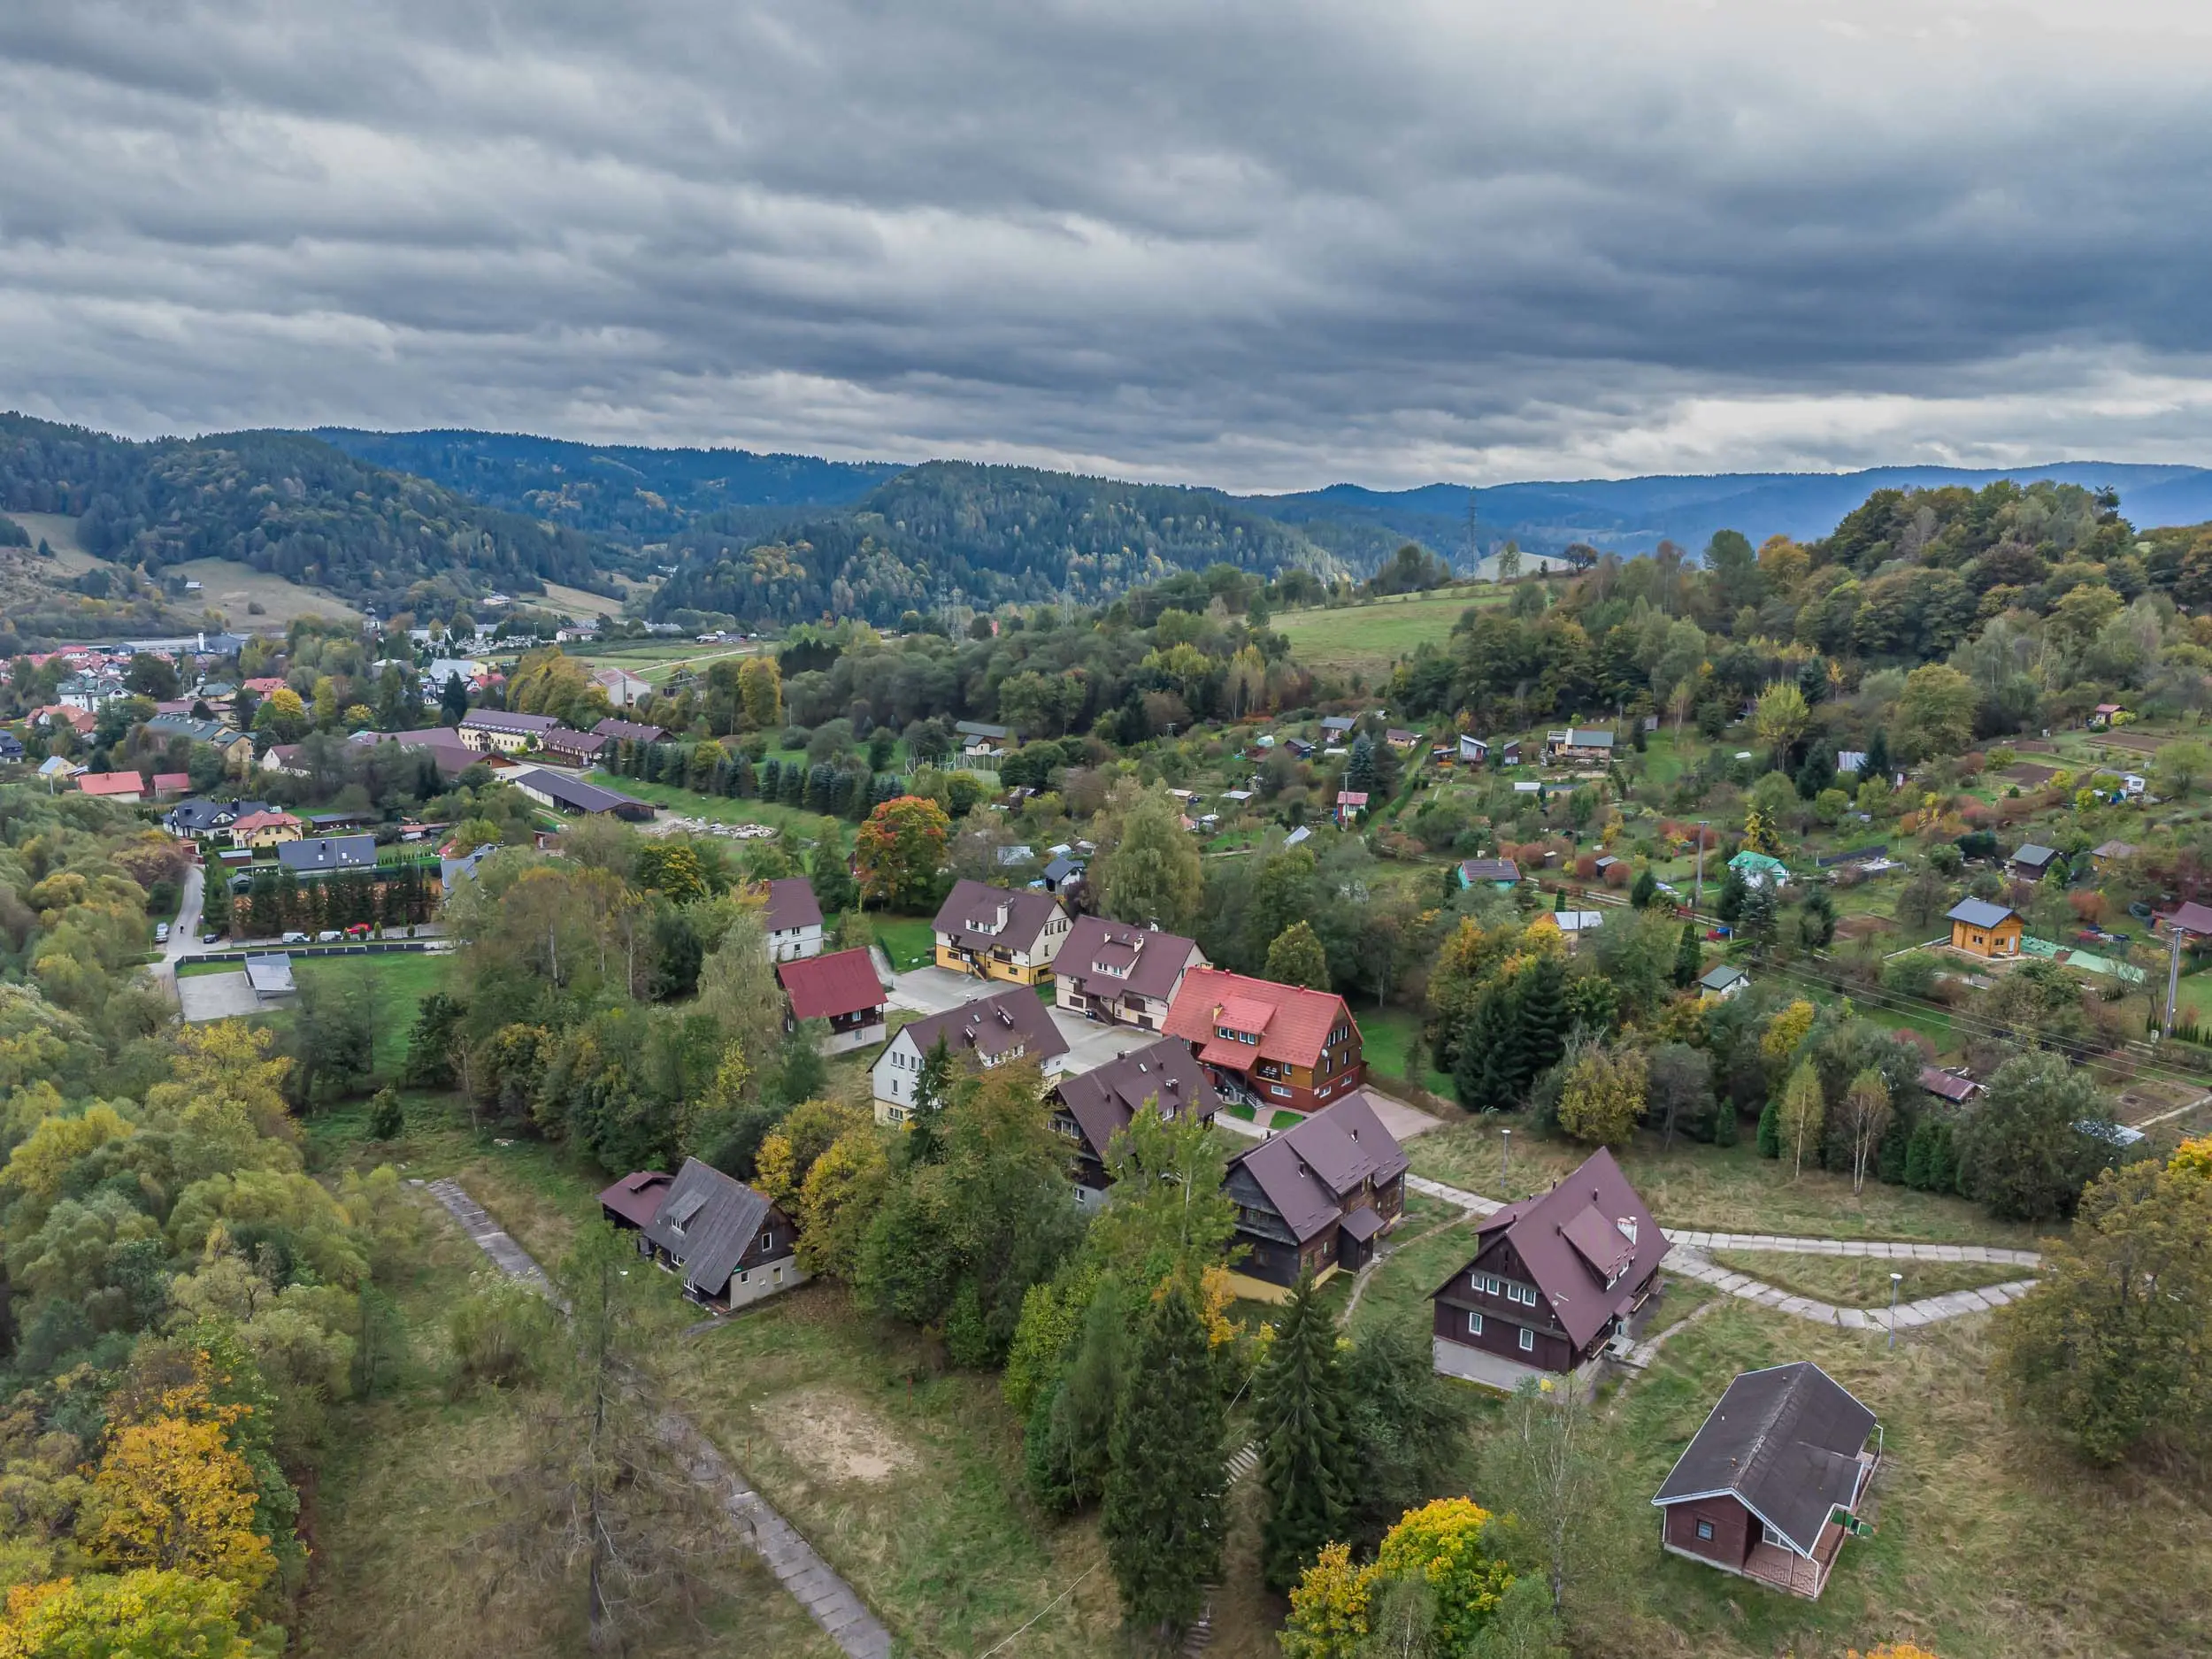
(825, 1596)
(1691, 1262)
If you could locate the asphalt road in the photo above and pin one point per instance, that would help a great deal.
(184, 933)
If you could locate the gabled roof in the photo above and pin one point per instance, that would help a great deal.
(1474, 870)
(2191, 917)
(1978, 913)
(268, 817)
(1949, 1085)
(977, 917)
(822, 987)
(629, 731)
(331, 852)
(1786, 1443)
(1584, 737)
(111, 783)
(1292, 1022)
(720, 1218)
(791, 904)
(2033, 853)
(1104, 1101)
(1313, 1174)
(502, 720)
(1114, 956)
(637, 1196)
(992, 1026)
(1720, 978)
(1564, 1239)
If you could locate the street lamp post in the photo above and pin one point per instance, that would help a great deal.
(1895, 1279)
(1505, 1162)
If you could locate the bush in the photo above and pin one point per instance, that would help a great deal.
(499, 1334)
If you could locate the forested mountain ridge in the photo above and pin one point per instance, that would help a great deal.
(988, 535)
(287, 505)
(626, 491)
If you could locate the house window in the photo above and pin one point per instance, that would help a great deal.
(1528, 1340)
(1474, 1324)
(767, 1241)
(1277, 1088)
(1704, 1531)
(1768, 1535)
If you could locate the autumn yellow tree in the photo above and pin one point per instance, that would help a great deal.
(1603, 1096)
(1779, 1043)
(1804, 1109)
(1328, 1607)
(1443, 1544)
(760, 693)
(837, 1200)
(169, 1613)
(170, 1496)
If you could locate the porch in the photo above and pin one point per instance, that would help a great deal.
(1787, 1570)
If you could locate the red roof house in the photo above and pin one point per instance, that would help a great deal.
(1275, 1045)
(840, 989)
(169, 784)
(126, 786)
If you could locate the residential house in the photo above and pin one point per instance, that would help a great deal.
(268, 827)
(54, 768)
(1551, 1279)
(1315, 1197)
(980, 742)
(1122, 975)
(565, 748)
(90, 692)
(454, 870)
(1273, 1045)
(1063, 874)
(629, 731)
(82, 721)
(2033, 862)
(10, 747)
(1502, 873)
(574, 795)
(2110, 853)
(793, 920)
(1722, 984)
(1982, 929)
(1008, 1025)
(485, 730)
(1398, 737)
(441, 744)
(1000, 933)
(624, 688)
(323, 855)
(1769, 1486)
(1090, 1109)
(1474, 750)
(235, 747)
(1350, 805)
(840, 989)
(189, 818)
(286, 758)
(1948, 1084)
(1760, 871)
(1336, 728)
(125, 787)
(1579, 746)
(733, 1245)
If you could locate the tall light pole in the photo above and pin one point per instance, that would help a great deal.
(2173, 972)
(1895, 1279)
(1698, 903)
(1505, 1161)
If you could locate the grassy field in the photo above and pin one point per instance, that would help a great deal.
(1368, 638)
(400, 981)
(1431, 1244)
(910, 940)
(1385, 1033)
(1732, 1189)
(234, 589)
(1858, 1281)
(715, 810)
(1989, 1543)
(578, 602)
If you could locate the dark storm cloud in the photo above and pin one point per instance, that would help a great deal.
(1262, 245)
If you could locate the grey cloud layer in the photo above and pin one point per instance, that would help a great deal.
(1262, 245)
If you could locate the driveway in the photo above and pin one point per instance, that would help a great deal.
(1090, 1044)
(184, 933)
(205, 996)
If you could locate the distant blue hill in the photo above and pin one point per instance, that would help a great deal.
(1632, 515)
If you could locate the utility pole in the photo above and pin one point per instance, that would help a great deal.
(1698, 903)
(1505, 1162)
(2173, 972)
(1895, 1279)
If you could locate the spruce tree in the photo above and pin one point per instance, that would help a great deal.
(1302, 1413)
(1164, 1516)
(1771, 1130)
(1644, 891)
(1878, 761)
(1689, 957)
(1724, 1122)
(924, 1131)
(1916, 1153)
(1541, 1022)
(1481, 1063)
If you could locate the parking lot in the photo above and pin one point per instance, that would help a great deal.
(934, 990)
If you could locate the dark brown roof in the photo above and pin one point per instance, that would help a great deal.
(994, 1025)
(1114, 956)
(1565, 1238)
(629, 731)
(1786, 1443)
(791, 904)
(637, 1196)
(977, 917)
(1949, 1085)
(708, 1219)
(1309, 1173)
(1104, 1101)
(821, 987)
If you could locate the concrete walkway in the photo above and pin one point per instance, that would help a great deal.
(827, 1598)
(1689, 1260)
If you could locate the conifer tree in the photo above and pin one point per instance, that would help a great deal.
(1301, 1414)
(1770, 1129)
(1878, 761)
(1164, 1516)
(1542, 1021)
(924, 1131)
(1644, 891)
(1689, 957)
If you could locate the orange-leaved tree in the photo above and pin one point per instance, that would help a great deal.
(170, 1495)
(899, 849)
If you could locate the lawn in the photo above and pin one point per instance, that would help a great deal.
(1370, 637)
(1990, 1542)
(714, 809)
(910, 942)
(398, 980)
(1431, 1244)
(1712, 1188)
(1385, 1034)
(1859, 1281)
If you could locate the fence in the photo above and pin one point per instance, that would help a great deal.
(362, 948)
(1878, 849)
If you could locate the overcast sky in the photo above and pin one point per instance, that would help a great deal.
(1259, 245)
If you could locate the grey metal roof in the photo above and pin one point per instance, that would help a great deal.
(707, 1220)
(328, 852)
(1977, 913)
(1785, 1441)
(1720, 978)
(2033, 853)
(271, 975)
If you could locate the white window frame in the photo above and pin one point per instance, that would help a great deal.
(1704, 1531)
(1474, 1324)
(1528, 1340)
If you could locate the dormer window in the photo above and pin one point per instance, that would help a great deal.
(1627, 1225)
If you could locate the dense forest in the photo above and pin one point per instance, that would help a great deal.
(623, 491)
(289, 505)
(991, 535)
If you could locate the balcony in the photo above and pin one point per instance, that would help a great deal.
(1787, 1570)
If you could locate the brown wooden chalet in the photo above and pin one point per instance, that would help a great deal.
(1270, 1044)
(731, 1244)
(1091, 1109)
(1318, 1196)
(1553, 1277)
(1771, 1485)
(1122, 975)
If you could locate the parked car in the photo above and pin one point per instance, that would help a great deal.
(359, 930)
(328, 936)
(295, 939)
(161, 932)
(211, 939)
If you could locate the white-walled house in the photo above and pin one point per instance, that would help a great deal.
(1010, 1025)
(793, 920)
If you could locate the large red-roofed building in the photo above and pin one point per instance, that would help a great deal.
(1273, 1045)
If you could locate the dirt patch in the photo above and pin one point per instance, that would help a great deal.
(835, 1436)
(1865, 926)
(2028, 775)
